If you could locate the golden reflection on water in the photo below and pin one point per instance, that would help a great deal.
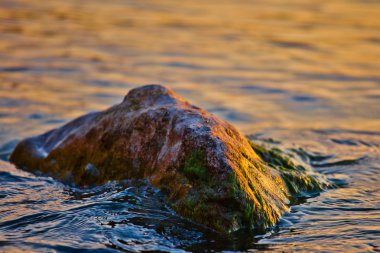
(259, 64)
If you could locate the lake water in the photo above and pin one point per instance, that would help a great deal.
(304, 74)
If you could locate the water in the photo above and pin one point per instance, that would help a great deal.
(302, 74)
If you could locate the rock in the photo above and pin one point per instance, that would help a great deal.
(209, 171)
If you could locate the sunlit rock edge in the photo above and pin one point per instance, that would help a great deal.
(208, 170)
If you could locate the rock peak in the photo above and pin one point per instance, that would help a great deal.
(150, 95)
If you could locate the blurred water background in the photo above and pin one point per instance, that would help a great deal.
(302, 74)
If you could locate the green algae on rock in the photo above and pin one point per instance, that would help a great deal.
(209, 171)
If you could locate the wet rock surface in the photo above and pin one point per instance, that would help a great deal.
(209, 171)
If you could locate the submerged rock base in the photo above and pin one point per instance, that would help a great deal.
(209, 171)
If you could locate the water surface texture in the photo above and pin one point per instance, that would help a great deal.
(300, 74)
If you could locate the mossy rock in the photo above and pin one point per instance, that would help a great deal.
(208, 170)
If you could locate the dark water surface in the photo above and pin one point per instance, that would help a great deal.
(302, 74)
